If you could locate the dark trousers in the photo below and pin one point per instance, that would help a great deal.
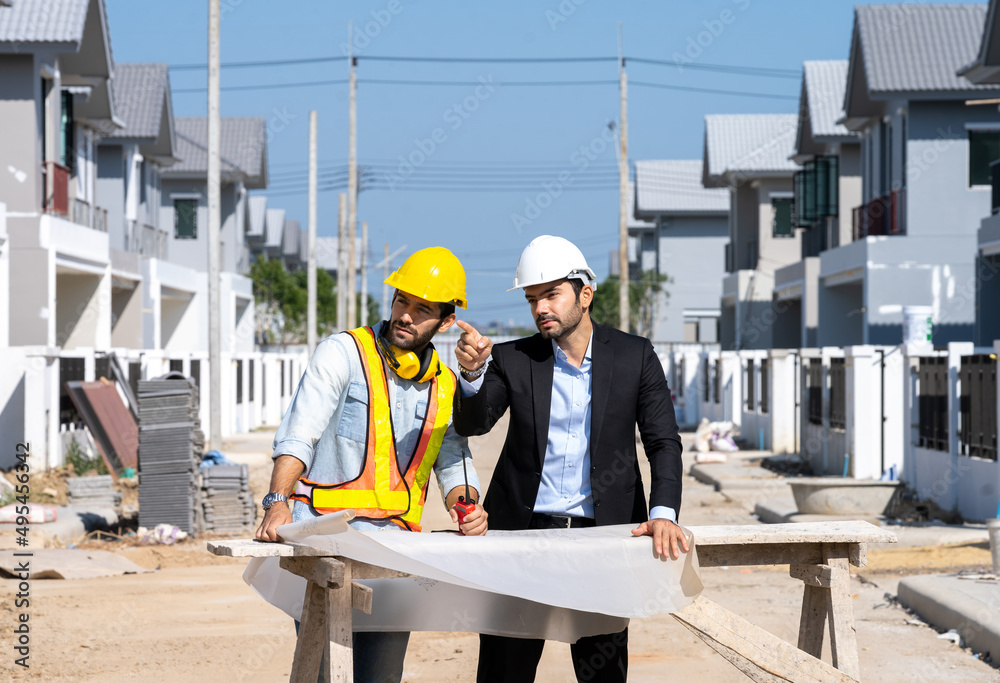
(601, 658)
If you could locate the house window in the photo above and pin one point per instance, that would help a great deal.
(781, 212)
(186, 219)
(239, 382)
(816, 195)
(984, 147)
(67, 144)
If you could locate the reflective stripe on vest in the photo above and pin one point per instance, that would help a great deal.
(380, 491)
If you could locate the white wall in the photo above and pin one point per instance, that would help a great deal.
(5, 288)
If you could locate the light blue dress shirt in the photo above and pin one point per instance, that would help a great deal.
(565, 487)
(327, 423)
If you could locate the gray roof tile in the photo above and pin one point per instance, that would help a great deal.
(674, 187)
(825, 82)
(257, 218)
(140, 92)
(43, 21)
(274, 227)
(913, 48)
(243, 148)
(290, 239)
(985, 67)
(748, 145)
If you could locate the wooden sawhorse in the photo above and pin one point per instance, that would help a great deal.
(820, 554)
(331, 595)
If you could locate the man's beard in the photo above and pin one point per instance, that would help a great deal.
(561, 328)
(407, 343)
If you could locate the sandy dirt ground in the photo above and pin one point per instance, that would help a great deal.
(195, 620)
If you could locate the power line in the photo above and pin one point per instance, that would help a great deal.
(713, 91)
(266, 62)
(767, 72)
(488, 60)
(376, 81)
(265, 86)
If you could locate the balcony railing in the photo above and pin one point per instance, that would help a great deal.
(147, 241)
(90, 216)
(881, 216)
(56, 180)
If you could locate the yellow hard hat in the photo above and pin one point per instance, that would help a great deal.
(433, 274)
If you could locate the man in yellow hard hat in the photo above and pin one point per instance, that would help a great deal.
(370, 419)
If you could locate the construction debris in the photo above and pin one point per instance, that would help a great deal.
(93, 492)
(68, 563)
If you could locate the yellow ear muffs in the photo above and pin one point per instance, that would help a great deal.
(409, 365)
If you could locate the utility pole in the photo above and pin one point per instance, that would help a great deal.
(385, 287)
(623, 302)
(352, 276)
(214, 230)
(342, 263)
(311, 267)
(386, 266)
(363, 306)
(352, 178)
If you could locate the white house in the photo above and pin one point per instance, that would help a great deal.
(825, 191)
(681, 230)
(750, 155)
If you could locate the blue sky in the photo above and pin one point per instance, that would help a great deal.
(478, 127)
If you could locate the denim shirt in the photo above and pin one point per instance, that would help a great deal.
(327, 421)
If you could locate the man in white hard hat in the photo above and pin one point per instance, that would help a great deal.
(576, 391)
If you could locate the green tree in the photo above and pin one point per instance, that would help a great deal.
(644, 297)
(272, 288)
(326, 303)
(281, 299)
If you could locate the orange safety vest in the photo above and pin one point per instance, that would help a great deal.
(382, 491)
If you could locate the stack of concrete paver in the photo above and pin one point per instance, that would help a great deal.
(226, 501)
(170, 450)
(93, 493)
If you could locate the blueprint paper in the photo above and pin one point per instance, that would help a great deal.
(557, 584)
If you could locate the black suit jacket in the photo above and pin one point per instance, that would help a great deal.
(628, 389)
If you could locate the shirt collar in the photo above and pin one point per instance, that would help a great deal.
(561, 355)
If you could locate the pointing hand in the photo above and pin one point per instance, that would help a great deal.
(473, 348)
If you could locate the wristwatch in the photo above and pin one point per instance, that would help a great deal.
(272, 498)
(472, 374)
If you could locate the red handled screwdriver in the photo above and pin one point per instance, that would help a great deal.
(465, 504)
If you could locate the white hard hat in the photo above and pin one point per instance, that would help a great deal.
(548, 258)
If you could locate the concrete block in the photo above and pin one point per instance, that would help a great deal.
(971, 607)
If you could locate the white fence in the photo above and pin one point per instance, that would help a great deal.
(257, 388)
(858, 411)
(34, 409)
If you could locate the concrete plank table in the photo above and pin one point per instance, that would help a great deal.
(819, 554)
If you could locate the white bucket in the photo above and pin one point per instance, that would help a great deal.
(917, 324)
